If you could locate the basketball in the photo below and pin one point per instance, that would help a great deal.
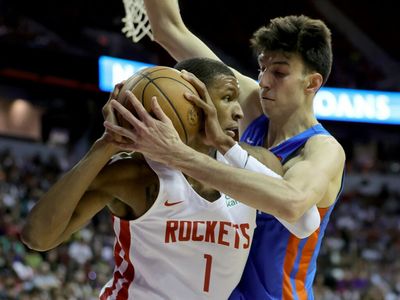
(168, 86)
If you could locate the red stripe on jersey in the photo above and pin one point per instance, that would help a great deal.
(117, 275)
(129, 274)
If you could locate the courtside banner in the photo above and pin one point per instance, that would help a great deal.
(334, 104)
(350, 105)
(113, 70)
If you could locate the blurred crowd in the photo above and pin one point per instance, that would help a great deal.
(358, 258)
(75, 270)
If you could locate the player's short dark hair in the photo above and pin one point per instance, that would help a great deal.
(310, 38)
(206, 69)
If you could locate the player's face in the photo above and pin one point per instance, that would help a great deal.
(225, 92)
(282, 83)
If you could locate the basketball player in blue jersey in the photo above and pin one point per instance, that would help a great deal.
(295, 58)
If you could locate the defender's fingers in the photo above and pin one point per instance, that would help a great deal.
(208, 108)
(197, 83)
(117, 88)
(138, 107)
(196, 101)
(126, 114)
(160, 114)
(121, 131)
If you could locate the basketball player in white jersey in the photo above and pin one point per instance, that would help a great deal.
(175, 238)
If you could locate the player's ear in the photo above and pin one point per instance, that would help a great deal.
(313, 82)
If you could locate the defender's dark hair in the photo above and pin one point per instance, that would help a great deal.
(310, 38)
(206, 69)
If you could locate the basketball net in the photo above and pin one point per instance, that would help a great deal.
(137, 23)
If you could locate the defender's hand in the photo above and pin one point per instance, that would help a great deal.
(214, 135)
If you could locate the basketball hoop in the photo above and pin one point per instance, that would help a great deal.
(137, 23)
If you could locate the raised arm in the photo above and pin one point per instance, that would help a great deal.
(171, 33)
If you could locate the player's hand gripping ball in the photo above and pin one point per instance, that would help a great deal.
(168, 86)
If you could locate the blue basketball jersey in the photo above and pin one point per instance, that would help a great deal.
(280, 265)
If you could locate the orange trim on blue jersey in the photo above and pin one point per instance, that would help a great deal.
(292, 251)
(290, 258)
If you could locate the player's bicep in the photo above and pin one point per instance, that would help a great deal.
(322, 162)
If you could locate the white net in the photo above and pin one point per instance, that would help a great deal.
(137, 23)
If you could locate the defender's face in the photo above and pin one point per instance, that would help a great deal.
(282, 83)
(225, 93)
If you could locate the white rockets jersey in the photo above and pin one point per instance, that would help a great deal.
(183, 247)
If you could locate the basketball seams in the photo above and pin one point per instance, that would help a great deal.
(130, 85)
(152, 80)
(174, 103)
(147, 72)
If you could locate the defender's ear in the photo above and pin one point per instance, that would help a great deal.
(313, 82)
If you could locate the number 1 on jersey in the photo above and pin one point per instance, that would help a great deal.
(207, 273)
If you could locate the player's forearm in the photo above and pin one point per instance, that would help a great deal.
(171, 33)
(89, 205)
(51, 215)
(268, 194)
(240, 158)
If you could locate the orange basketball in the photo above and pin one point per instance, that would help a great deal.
(168, 86)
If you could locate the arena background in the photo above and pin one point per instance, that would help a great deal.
(50, 113)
